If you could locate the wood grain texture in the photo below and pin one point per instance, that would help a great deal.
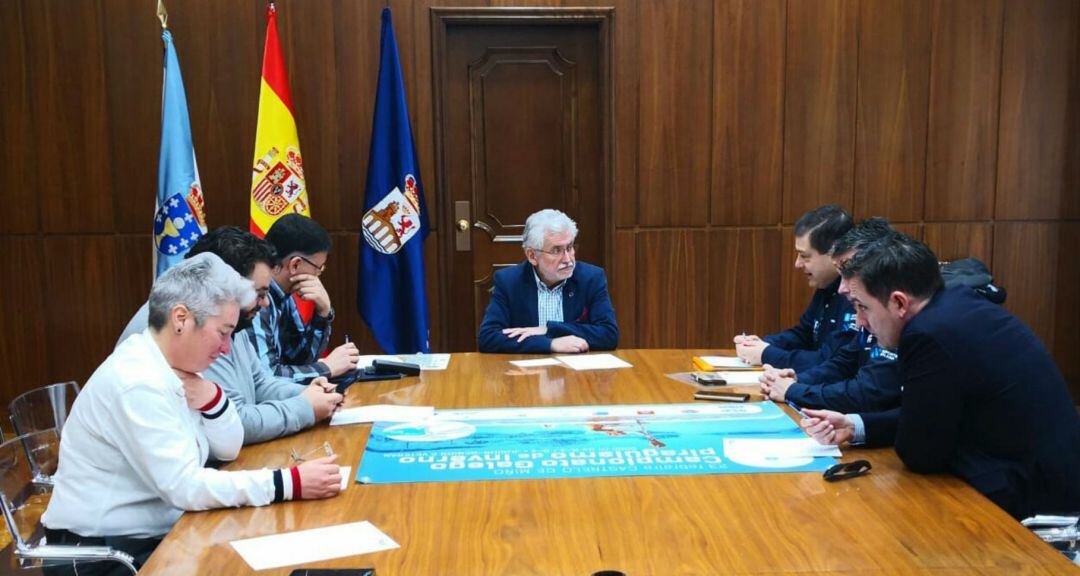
(819, 105)
(952, 241)
(1067, 306)
(894, 89)
(674, 306)
(744, 283)
(891, 521)
(965, 74)
(622, 285)
(1038, 79)
(23, 350)
(133, 77)
(675, 105)
(748, 112)
(18, 179)
(1026, 264)
(68, 105)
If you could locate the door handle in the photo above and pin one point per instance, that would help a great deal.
(463, 225)
(463, 234)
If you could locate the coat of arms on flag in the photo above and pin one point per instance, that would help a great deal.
(180, 222)
(281, 182)
(394, 220)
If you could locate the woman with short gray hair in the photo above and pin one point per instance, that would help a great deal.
(133, 453)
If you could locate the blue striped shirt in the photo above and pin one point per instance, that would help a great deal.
(287, 346)
(548, 301)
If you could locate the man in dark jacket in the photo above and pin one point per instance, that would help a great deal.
(981, 396)
(550, 302)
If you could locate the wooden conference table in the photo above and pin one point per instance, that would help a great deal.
(890, 521)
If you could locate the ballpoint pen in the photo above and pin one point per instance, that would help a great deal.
(797, 409)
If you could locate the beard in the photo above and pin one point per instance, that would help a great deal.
(246, 319)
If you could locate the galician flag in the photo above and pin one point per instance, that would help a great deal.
(392, 296)
(180, 216)
(277, 176)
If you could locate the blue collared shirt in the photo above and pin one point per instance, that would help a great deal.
(289, 347)
(548, 301)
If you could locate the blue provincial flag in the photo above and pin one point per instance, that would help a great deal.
(180, 215)
(392, 295)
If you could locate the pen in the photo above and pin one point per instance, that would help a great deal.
(797, 409)
(346, 338)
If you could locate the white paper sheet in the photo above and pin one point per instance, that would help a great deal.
(380, 413)
(740, 378)
(366, 360)
(428, 361)
(594, 362)
(779, 447)
(725, 362)
(345, 472)
(536, 363)
(305, 546)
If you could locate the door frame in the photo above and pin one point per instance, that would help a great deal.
(444, 18)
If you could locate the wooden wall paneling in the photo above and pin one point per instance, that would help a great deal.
(748, 110)
(23, 340)
(743, 283)
(672, 299)
(1067, 306)
(133, 60)
(893, 94)
(1026, 265)
(134, 277)
(626, 64)
(913, 229)
(1038, 68)
(965, 73)
(307, 45)
(18, 179)
(356, 36)
(675, 111)
(956, 240)
(795, 293)
(70, 115)
(819, 117)
(82, 272)
(226, 91)
(622, 285)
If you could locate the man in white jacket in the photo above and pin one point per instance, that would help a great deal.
(134, 447)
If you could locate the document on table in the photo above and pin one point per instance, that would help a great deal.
(536, 363)
(778, 448)
(725, 362)
(424, 361)
(739, 377)
(305, 546)
(594, 362)
(345, 471)
(380, 413)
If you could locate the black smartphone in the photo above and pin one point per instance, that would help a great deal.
(721, 396)
(333, 572)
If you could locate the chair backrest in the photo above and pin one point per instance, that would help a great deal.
(22, 500)
(43, 408)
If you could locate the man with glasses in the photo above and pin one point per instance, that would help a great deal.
(550, 302)
(287, 345)
(269, 406)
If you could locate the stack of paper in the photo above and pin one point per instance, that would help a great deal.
(707, 363)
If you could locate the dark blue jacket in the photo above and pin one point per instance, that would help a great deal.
(983, 399)
(826, 326)
(861, 376)
(586, 307)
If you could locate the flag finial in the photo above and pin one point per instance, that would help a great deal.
(163, 14)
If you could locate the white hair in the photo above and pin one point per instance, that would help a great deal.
(539, 224)
(201, 283)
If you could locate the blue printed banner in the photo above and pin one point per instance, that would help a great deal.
(586, 441)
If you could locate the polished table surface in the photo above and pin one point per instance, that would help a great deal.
(890, 521)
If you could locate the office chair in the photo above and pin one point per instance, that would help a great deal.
(23, 501)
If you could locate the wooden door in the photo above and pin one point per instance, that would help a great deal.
(521, 124)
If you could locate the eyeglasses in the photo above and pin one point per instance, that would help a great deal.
(846, 470)
(558, 251)
(319, 452)
(321, 268)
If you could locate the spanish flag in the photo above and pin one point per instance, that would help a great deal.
(277, 176)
